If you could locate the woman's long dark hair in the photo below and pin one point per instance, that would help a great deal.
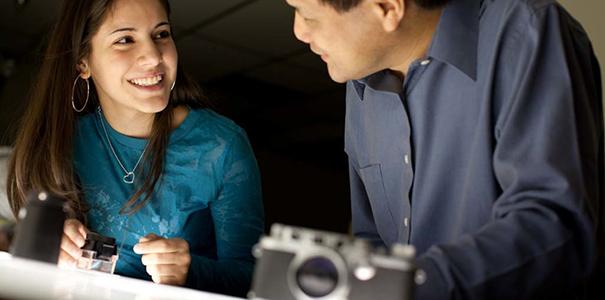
(43, 154)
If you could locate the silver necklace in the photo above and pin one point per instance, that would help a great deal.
(129, 177)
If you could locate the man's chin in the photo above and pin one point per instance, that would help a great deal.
(342, 77)
(337, 77)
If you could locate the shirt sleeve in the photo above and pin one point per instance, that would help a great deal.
(547, 160)
(238, 219)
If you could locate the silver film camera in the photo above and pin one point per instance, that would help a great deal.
(301, 264)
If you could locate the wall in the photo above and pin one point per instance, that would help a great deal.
(13, 98)
(590, 14)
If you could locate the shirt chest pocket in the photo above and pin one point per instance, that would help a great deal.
(375, 189)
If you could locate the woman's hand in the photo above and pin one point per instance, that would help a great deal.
(167, 260)
(74, 236)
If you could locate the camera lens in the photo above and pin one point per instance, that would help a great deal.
(317, 277)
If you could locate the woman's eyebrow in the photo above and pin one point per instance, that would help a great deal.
(162, 24)
(123, 29)
(134, 29)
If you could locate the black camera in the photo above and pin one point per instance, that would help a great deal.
(302, 264)
(99, 253)
(40, 228)
(7, 230)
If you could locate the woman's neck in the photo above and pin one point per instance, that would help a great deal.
(129, 122)
(138, 124)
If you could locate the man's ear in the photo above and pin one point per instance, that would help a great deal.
(84, 68)
(389, 12)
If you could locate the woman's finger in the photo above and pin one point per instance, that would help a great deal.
(162, 246)
(149, 237)
(68, 246)
(173, 258)
(66, 260)
(171, 280)
(165, 270)
(75, 231)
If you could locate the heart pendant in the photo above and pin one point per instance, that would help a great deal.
(129, 178)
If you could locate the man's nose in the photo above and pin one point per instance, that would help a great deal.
(300, 29)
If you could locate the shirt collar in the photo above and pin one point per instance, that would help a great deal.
(456, 38)
(379, 81)
(455, 41)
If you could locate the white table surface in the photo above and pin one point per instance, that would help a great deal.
(27, 279)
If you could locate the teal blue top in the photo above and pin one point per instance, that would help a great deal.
(209, 195)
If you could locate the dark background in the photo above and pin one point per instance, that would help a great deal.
(245, 56)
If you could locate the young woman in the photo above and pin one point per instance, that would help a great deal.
(117, 129)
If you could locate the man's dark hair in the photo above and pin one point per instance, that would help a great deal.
(345, 5)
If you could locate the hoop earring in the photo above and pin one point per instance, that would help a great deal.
(173, 84)
(73, 103)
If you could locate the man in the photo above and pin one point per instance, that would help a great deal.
(474, 132)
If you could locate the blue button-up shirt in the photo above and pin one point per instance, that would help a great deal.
(488, 157)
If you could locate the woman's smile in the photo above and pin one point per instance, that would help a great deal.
(150, 83)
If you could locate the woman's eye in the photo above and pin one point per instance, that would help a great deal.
(163, 35)
(125, 40)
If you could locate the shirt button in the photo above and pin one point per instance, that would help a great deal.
(406, 159)
(425, 62)
(406, 222)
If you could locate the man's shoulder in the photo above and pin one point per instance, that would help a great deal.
(531, 6)
(519, 20)
(523, 23)
(523, 12)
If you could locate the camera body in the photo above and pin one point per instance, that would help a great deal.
(302, 264)
(7, 230)
(40, 228)
(99, 253)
